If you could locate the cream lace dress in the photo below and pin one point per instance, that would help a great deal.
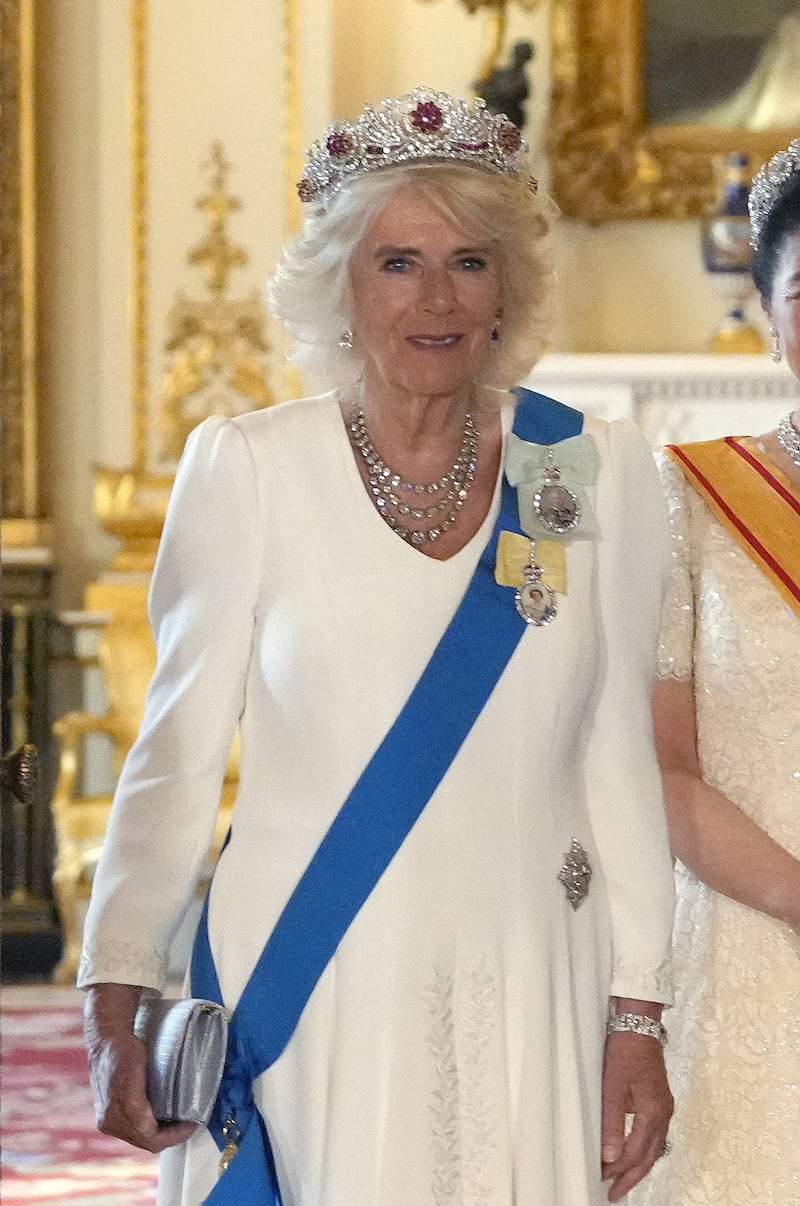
(734, 1054)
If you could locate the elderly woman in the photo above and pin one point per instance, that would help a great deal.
(728, 727)
(431, 605)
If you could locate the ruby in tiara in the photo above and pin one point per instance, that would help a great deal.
(427, 117)
(509, 137)
(306, 190)
(339, 144)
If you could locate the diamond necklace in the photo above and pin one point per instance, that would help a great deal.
(405, 505)
(789, 438)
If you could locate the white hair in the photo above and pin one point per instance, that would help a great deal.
(310, 288)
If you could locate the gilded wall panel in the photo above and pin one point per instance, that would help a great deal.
(614, 152)
(17, 493)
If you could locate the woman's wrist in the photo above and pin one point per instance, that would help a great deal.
(629, 1015)
(111, 1008)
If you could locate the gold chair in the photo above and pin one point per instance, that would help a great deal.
(127, 659)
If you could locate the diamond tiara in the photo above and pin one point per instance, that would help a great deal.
(766, 186)
(421, 126)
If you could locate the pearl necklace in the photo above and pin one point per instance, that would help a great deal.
(789, 438)
(401, 503)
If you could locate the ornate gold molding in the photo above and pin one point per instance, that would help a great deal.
(292, 119)
(131, 505)
(26, 533)
(18, 405)
(217, 344)
(293, 148)
(138, 231)
(293, 158)
(607, 162)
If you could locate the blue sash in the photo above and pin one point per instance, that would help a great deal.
(365, 835)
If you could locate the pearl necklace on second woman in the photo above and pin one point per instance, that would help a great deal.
(407, 506)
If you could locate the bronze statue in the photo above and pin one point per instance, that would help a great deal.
(506, 89)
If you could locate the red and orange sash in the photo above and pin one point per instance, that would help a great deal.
(753, 501)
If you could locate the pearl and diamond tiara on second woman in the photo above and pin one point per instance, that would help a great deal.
(768, 184)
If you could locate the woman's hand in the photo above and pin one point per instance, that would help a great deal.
(634, 1082)
(117, 1063)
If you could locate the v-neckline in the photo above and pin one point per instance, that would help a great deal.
(358, 488)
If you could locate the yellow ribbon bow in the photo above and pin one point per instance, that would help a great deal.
(514, 555)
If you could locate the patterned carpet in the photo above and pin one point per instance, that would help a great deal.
(52, 1155)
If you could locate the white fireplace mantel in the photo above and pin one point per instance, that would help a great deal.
(673, 397)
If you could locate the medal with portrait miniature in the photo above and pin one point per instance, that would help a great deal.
(534, 599)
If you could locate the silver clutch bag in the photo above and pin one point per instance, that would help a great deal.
(186, 1043)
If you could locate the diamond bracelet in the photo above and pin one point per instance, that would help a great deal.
(637, 1023)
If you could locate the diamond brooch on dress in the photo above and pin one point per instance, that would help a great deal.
(575, 873)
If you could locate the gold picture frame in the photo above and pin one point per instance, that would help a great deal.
(19, 486)
(607, 162)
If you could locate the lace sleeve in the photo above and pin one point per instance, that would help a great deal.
(676, 640)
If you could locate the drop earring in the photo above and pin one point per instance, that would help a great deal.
(775, 354)
(346, 340)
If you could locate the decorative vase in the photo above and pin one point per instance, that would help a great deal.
(727, 255)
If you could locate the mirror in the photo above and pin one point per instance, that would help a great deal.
(648, 95)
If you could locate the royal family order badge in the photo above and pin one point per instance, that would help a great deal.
(551, 481)
(556, 505)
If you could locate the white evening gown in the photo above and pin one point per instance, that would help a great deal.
(451, 1053)
(734, 1051)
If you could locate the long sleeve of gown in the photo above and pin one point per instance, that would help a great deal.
(202, 604)
(623, 779)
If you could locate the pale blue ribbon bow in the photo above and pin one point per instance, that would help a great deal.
(525, 468)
